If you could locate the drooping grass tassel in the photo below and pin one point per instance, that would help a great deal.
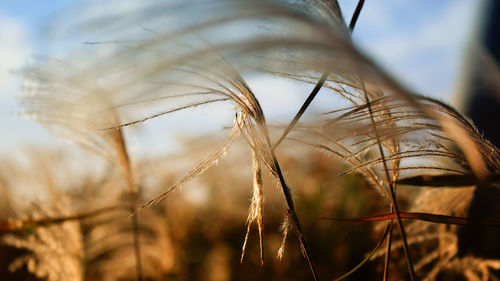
(256, 209)
(285, 229)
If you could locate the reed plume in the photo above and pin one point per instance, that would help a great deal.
(54, 252)
(192, 54)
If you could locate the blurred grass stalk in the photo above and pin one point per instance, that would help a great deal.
(480, 100)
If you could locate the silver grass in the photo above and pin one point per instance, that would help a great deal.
(287, 224)
(111, 237)
(182, 64)
(256, 209)
(54, 252)
(304, 38)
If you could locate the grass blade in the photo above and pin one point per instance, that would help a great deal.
(369, 256)
(24, 225)
(319, 84)
(390, 184)
(428, 217)
(446, 180)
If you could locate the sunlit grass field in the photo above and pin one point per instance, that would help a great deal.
(376, 183)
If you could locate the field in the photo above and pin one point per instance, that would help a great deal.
(376, 183)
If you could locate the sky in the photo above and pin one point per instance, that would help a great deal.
(420, 42)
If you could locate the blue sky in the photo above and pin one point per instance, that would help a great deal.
(33, 15)
(421, 42)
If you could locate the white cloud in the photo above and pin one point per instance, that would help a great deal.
(421, 44)
(15, 50)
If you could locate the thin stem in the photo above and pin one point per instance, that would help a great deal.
(291, 206)
(387, 260)
(369, 255)
(124, 162)
(286, 190)
(19, 225)
(301, 111)
(391, 192)
(319, 84)
(355, 15)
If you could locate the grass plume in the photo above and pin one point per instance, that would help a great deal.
(193, 54)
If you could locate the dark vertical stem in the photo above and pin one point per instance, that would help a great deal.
(319, 84)
(369, 255)
(288, 196)
(291, 206)
(355, 15)
(301, 111)
(391, 192)
(285, 189)
(387, 260)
